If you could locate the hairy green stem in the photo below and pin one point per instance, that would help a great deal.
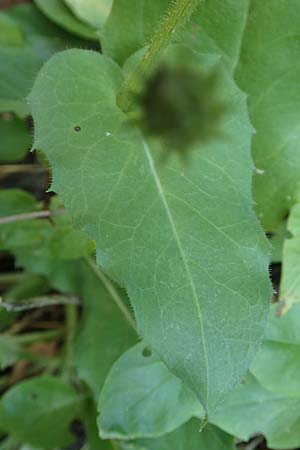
(178, 14)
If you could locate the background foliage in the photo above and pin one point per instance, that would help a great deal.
(135, 308)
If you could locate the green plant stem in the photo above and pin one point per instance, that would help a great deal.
(111, 290)
(30, 338)
(14, 277)
(31, 216)
(71, 324)
(178, 14)
(38, 302)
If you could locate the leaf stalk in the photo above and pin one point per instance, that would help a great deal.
(177, 16)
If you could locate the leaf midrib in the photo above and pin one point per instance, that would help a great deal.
(181, 251)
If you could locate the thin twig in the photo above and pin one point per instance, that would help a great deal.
(38, 302)
(32, 215)
(13, 277)
(111, 290)
(254, 443)
(30, 338)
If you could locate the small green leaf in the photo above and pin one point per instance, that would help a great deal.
(140, 396)
(16, 201)
(179, 240)
(15, 140)
(39, 412)
(93, 12)
(252, 409)
(10, 351)
(20, 235)
(187, 437)
(277, 365)
(57, 11)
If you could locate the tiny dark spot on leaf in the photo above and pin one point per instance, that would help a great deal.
(147, 352)
(33, 396)
(77, 128)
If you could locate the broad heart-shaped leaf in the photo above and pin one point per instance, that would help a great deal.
(39, 412)
(93, 12)
(290, 276)
(252, 409)
(15, 140)
(184, 241)
(187, 437)
(140, 396)
(57, 11)
(277, 365)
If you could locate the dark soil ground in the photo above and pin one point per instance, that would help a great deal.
(7, 3)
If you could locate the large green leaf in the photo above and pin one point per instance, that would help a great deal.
(140, 396)
(179, 239)
(57, 11)
(252, 409)
(259, 42)
(277, 365)
(269, 72)
(187, 437)
(39, 412)
(15, 140)
(93, 12)
(290, 275)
